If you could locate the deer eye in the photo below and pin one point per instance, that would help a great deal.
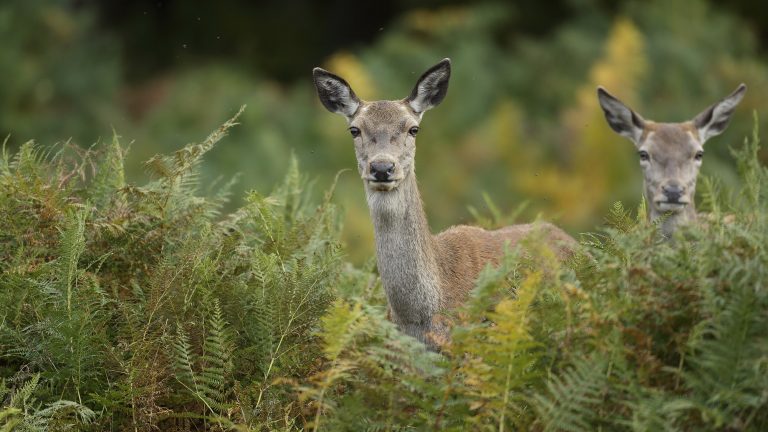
(413, 131)
(644, 157)
(699, 155)
(354, 131)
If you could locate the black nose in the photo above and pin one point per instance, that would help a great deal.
(382, 170)
(672, 192)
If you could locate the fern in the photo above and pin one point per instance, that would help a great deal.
(184, 360)
(24, 413)
(216, 360)
(341, 327)
(366, 352)
(141, 307)
(753, 174)
(24, 395)
(730, 389)
(71, 247)
(110, 178)
(501, 360)
(206, 376)
(621, 219)
(573, 397)
(496, 218)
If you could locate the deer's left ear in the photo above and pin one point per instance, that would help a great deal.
(431, 88)
(713, 120)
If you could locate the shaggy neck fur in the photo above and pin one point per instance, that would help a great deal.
(406, 255)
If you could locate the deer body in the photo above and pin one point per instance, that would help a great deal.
(670, 154)
(422, 274)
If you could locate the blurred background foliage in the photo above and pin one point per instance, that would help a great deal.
(521, 121)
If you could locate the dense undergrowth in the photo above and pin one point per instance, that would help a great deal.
(128, 307)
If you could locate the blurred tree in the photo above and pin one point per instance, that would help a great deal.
(597, 165)
(280, 39)
(520, 121)
(59, 76)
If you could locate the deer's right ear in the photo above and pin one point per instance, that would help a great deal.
(620, 117)
(335, 94)
(431, 88)
(713, 120)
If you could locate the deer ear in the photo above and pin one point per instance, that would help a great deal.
(431, 88)
(620, 117)
(335, 94)
(713, 120)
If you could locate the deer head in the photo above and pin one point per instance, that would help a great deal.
(670, 153)
(384, 132)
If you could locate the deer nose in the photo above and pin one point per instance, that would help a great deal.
(673, 192)
(381, 170)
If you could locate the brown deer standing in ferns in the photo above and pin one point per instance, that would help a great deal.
(670, 153)
(422, 274)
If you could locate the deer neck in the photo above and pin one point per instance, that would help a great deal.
(670, 222)
(406, 253)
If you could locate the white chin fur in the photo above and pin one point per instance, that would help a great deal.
(670, 207)
(381, 187)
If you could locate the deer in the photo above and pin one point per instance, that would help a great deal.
(670, 154)
(423, 275)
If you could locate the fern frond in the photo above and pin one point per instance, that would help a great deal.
(573, 397)
(216, 359)
(501, 359)
(22, 397)
(110, 177)
(620, 219)
(184, 360)
(751, 171)
(71, 246)
(723, 358)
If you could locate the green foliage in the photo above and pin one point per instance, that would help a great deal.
(210, 384)
(145, 304)
(24, 414)
(149, 306)
(48, 94)
(372, 373)
(574, 400)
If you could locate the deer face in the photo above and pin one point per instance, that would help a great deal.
(670, 154)
(384, 132)
(670, 157)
